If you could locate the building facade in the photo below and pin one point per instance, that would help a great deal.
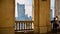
(21, 13)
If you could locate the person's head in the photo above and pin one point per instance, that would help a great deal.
(56, 17)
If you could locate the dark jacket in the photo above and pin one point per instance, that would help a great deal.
(55, 25)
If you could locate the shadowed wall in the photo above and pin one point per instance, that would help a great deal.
(6, 17)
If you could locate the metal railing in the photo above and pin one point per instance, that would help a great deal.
(23, 25)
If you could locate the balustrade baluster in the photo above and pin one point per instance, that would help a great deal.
(23, 25)
(19, 26)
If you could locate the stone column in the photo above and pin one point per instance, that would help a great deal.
(36, 18)
(44, 16)
(57, 8)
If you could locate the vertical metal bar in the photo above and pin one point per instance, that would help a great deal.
(19, 26)
(16, 26)
(31, 25)
(24, 25)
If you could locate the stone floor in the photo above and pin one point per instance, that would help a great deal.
(58, 32)
(36, 33)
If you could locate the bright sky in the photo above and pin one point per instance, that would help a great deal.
(28, 6)
(52, 6)
(52, 3)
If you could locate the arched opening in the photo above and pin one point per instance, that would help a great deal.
(24, 15)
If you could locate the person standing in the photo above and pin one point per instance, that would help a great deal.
(55, 25)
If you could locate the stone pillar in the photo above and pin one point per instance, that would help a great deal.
(57, 8)
(7, 17)
(44, 16)
(36, 19)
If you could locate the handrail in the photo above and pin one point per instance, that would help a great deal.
(24, 21)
